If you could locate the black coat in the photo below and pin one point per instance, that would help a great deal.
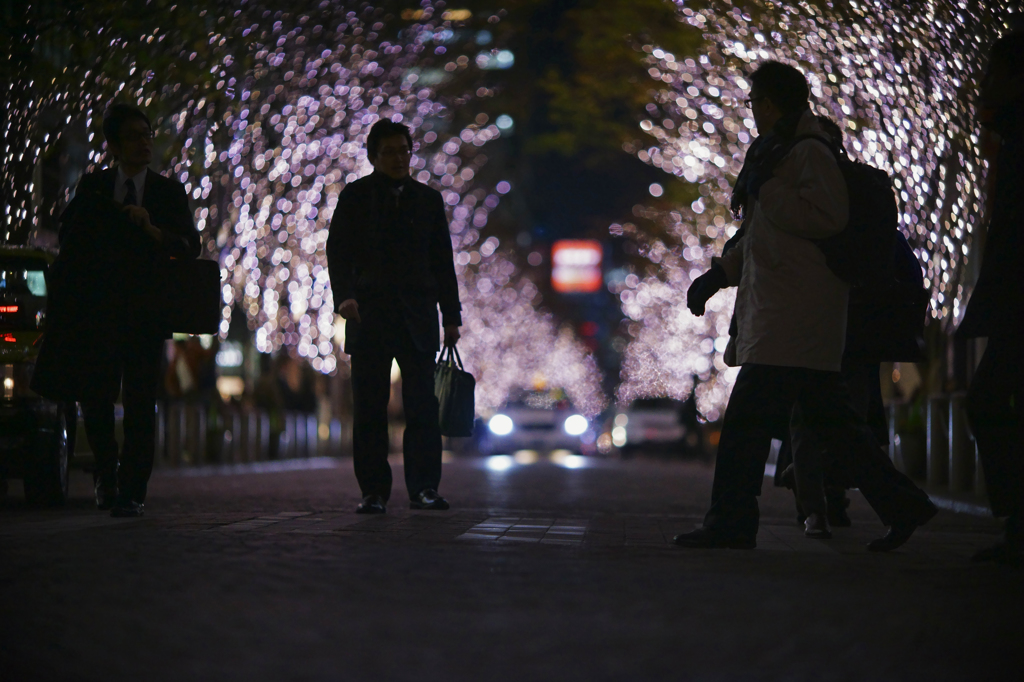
(997, 303)
(394, 257)
(104, 285)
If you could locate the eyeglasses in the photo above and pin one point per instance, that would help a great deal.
(137, 137)
(750, 101)
(394, 153)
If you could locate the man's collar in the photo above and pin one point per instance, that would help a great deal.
(389, 181)
(139, 178)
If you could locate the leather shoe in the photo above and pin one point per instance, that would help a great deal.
(816, 526)
(901, 531)
(706, 538)
(127, 509)
(372, 504)
(106, 495)
(428, 499)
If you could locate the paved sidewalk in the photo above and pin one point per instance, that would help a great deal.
(538, 572)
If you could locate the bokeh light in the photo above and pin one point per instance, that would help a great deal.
(900, 79)
(279, 130)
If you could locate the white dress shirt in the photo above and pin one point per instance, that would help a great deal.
(140, 185)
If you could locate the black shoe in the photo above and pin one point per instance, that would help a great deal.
(706, 538)
(428, 499)
(127, 510)
(839, 519)
(837, 505)
(372, 504)
(106, 495)
(900, 532)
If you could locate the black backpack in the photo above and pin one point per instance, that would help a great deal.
(885, 321)
(862, 254)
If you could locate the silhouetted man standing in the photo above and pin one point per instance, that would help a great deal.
(106, 334)
(995, 401)
(791, 319)
(390, 258)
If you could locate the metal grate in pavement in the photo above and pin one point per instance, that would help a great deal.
(259, 522)
(516, 529)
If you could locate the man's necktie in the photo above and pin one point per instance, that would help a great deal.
(130, 198)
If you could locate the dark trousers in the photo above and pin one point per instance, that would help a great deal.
(763, 398)
(371, 388)
(138, 366)
(994, 407)
(812, 486)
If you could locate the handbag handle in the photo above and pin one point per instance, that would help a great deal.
(450, 352)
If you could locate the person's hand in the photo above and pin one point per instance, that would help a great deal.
(704, 287)
(140, 216)
(349, 310)
(451, 334)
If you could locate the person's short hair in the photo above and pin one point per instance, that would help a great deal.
(382, 130)
(117, 116)
(783, 84)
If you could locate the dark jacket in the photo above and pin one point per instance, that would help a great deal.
(997, 303)
(391, 251)
(996, 306)
(104, 285)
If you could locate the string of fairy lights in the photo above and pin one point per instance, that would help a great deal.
(264, 172)
(899, 78)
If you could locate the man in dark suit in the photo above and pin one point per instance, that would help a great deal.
(390, 259)
(105, 334)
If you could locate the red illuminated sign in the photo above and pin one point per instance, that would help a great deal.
(576, 266)
(8, 308)
(8, 338)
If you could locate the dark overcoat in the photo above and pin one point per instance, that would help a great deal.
(997, 303)
(391, 251)
(104, 284)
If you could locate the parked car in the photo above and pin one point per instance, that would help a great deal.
(657, 425)
(36, 435)
(536, 420)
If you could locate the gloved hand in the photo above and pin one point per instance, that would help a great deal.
(704, 287)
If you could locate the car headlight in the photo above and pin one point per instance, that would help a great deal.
(15, 381)
(576, 425)
(500, 425)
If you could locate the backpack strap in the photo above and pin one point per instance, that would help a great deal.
(823, 138)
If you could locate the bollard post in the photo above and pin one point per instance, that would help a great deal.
(980, 489)
(160, 439)
(286, 449)
(312, 435)
(896, 417)
(937, 433)
(263, 442)
(175, 431)
(961, 446)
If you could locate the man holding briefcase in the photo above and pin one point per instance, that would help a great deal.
(107, 325)
(390, 258)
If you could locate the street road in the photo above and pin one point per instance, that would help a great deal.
(545, 571)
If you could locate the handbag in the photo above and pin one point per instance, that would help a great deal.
(454, 388)
(190, 296)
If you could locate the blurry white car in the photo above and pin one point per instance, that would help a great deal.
(649, 423)
(537, 420)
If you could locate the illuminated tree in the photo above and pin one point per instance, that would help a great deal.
(265, 142)
(901, 81)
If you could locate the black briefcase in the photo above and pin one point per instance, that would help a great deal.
(190, 293)
(454, 388)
